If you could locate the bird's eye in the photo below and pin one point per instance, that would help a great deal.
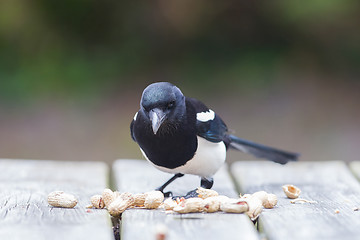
(171, 104)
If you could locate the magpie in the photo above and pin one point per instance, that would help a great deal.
(180, 135)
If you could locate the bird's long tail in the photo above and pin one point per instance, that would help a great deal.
(262, 151)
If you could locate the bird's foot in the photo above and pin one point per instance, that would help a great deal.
(191, 194)
(168, 194)
(162, 187)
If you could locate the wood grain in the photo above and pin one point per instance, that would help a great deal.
(330, 184)
(139, 176)
(25, 213)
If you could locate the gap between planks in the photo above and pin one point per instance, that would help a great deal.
(139, 176)
(25, 213)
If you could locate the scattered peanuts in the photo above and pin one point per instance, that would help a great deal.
(271, 201)
(262, 195)
(108, 196)
(62, 199)
(208, 201)
(97, 201)
(153, 199)
(212, 204)
(291, 191)
(169, 204)
(205, 193)
(139, 199)
(234, 206)
(257, 201)
(255, 207)
(120, 204)
(190, 205)
(268, 200)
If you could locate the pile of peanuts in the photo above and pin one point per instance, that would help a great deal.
(208, 201)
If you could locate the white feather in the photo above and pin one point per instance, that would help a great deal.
(205, 116)
(135, 116)
(144, 154)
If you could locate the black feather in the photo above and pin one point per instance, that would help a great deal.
(212, 130)
(262, 151)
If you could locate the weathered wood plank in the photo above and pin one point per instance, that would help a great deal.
(330, 184)
(25, 213)
(139, 176)
(355, 168)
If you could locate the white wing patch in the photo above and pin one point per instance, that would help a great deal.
(205, 116)
(135, 116)
(144, 154)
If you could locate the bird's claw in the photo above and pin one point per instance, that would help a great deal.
(168, 194)
(191, 194)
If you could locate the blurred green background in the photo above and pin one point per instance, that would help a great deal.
(282, 73)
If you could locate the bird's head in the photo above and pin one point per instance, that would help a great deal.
(163, 104)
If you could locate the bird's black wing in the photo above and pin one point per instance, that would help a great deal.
(208, 125)
(215, 130)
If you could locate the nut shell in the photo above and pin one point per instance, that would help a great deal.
(262, 195)
(97, 201)
(153, 199)
(234, 206)
(255, 208)
(191, 205)
(120, 204)
(291, 191)
(212, 204)
(108, 196)
(62, 199)
(271, 201)
(268, 200)
(169, 204)
(205, 193)
(139, 199)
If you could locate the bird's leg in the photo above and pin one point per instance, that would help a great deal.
(161, 188)
(205, 183)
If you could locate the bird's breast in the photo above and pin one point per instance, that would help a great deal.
(207, 159)
(168, 150)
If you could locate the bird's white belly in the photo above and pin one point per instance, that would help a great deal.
(209, 157)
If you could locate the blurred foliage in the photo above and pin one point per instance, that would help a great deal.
(88, 48)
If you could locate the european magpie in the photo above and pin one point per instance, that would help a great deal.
(180, 135)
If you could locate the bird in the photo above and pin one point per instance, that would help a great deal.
(181, 135)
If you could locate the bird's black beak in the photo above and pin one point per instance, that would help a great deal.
(157, 117)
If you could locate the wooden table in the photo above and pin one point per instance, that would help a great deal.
(25, 213)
